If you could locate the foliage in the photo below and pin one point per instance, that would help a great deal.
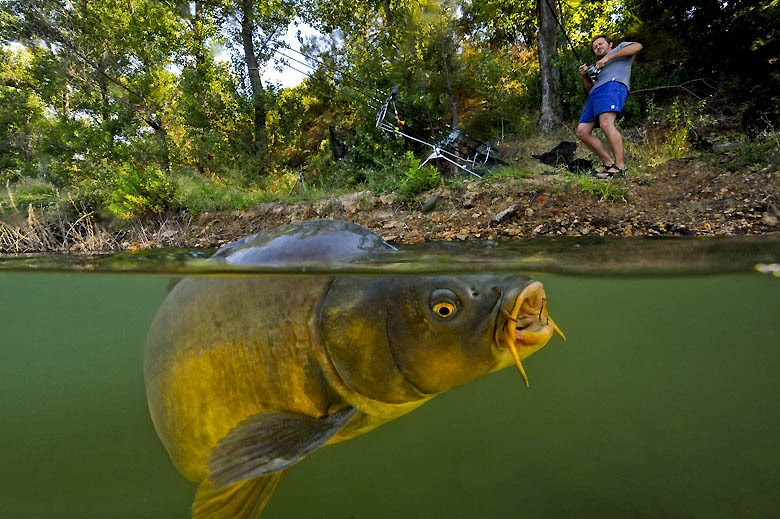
(738, 37)
(503, 91)
(137, 192)
(29, 192)
(213, 118)
(763, 149)
(677, 143)
(609, 190)
(22, 116)
(418, 178)
(198, 194)
(144, 105)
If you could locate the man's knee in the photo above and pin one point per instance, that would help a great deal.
(607, 121)
(582, 132)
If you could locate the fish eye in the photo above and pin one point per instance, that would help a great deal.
(444, 303)
(444, 309)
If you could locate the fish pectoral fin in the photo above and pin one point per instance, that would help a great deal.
(269, 442)
(243, 499)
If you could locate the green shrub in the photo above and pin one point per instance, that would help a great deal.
(765, 149)
(418, 178)
(138, 193)
(680, 126)
(200, 193)
(607, 190)
(28, 191)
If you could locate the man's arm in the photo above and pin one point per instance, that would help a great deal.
(585, 79)
(629, 50)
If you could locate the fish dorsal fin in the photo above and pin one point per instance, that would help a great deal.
(245, 499)
(269, 442)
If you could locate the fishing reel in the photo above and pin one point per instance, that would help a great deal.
(592, 72)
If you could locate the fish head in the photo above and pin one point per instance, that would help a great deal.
(449, 331)
(397, 339)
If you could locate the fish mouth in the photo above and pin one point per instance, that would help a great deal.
(528, 326)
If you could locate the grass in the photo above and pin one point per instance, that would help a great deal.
(37, 215)
(610, 190)
(199, 194)
(62, 227)
(511, 173)
(25, 192)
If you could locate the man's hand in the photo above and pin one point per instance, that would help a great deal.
(628, 50)
(586, 81)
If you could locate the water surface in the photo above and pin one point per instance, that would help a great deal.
(661, 404)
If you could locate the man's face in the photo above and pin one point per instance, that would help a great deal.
(600, 47)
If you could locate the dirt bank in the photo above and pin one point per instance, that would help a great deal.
(682, 197)
(717, 193)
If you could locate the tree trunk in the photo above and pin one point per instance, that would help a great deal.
(253, 69)
(550, 117)
(66, 99)
(161, 134)
(199, 55)
(388, 12)
(198, 34)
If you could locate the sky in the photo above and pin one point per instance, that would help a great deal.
(289, 77)
(286, 78)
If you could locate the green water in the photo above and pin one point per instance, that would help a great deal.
(663, 403)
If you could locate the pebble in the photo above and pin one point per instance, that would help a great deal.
(505, 214)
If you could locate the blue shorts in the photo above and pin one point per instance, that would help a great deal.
(609, 97)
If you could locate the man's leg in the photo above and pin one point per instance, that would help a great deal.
(585, 134)
(615, 140)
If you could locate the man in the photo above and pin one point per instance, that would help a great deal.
(606, 96)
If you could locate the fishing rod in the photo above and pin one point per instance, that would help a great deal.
(591, 70)
(563, 31)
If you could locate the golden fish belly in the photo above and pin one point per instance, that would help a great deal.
(224, 349)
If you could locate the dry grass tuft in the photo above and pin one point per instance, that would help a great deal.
(58, 229)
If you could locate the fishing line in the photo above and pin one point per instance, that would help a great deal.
(416, 123)
(563, 31)
(337, 73)
(408, 113)
(359, 98)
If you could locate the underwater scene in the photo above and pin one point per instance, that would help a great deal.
(661, 402)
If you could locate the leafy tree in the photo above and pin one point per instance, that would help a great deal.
(22, 115)
(439, 51)
(734, 41)
(215, 127)
(255, 28)
(499, 24)
(112, 60)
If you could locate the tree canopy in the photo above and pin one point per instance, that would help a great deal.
(92, 92)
